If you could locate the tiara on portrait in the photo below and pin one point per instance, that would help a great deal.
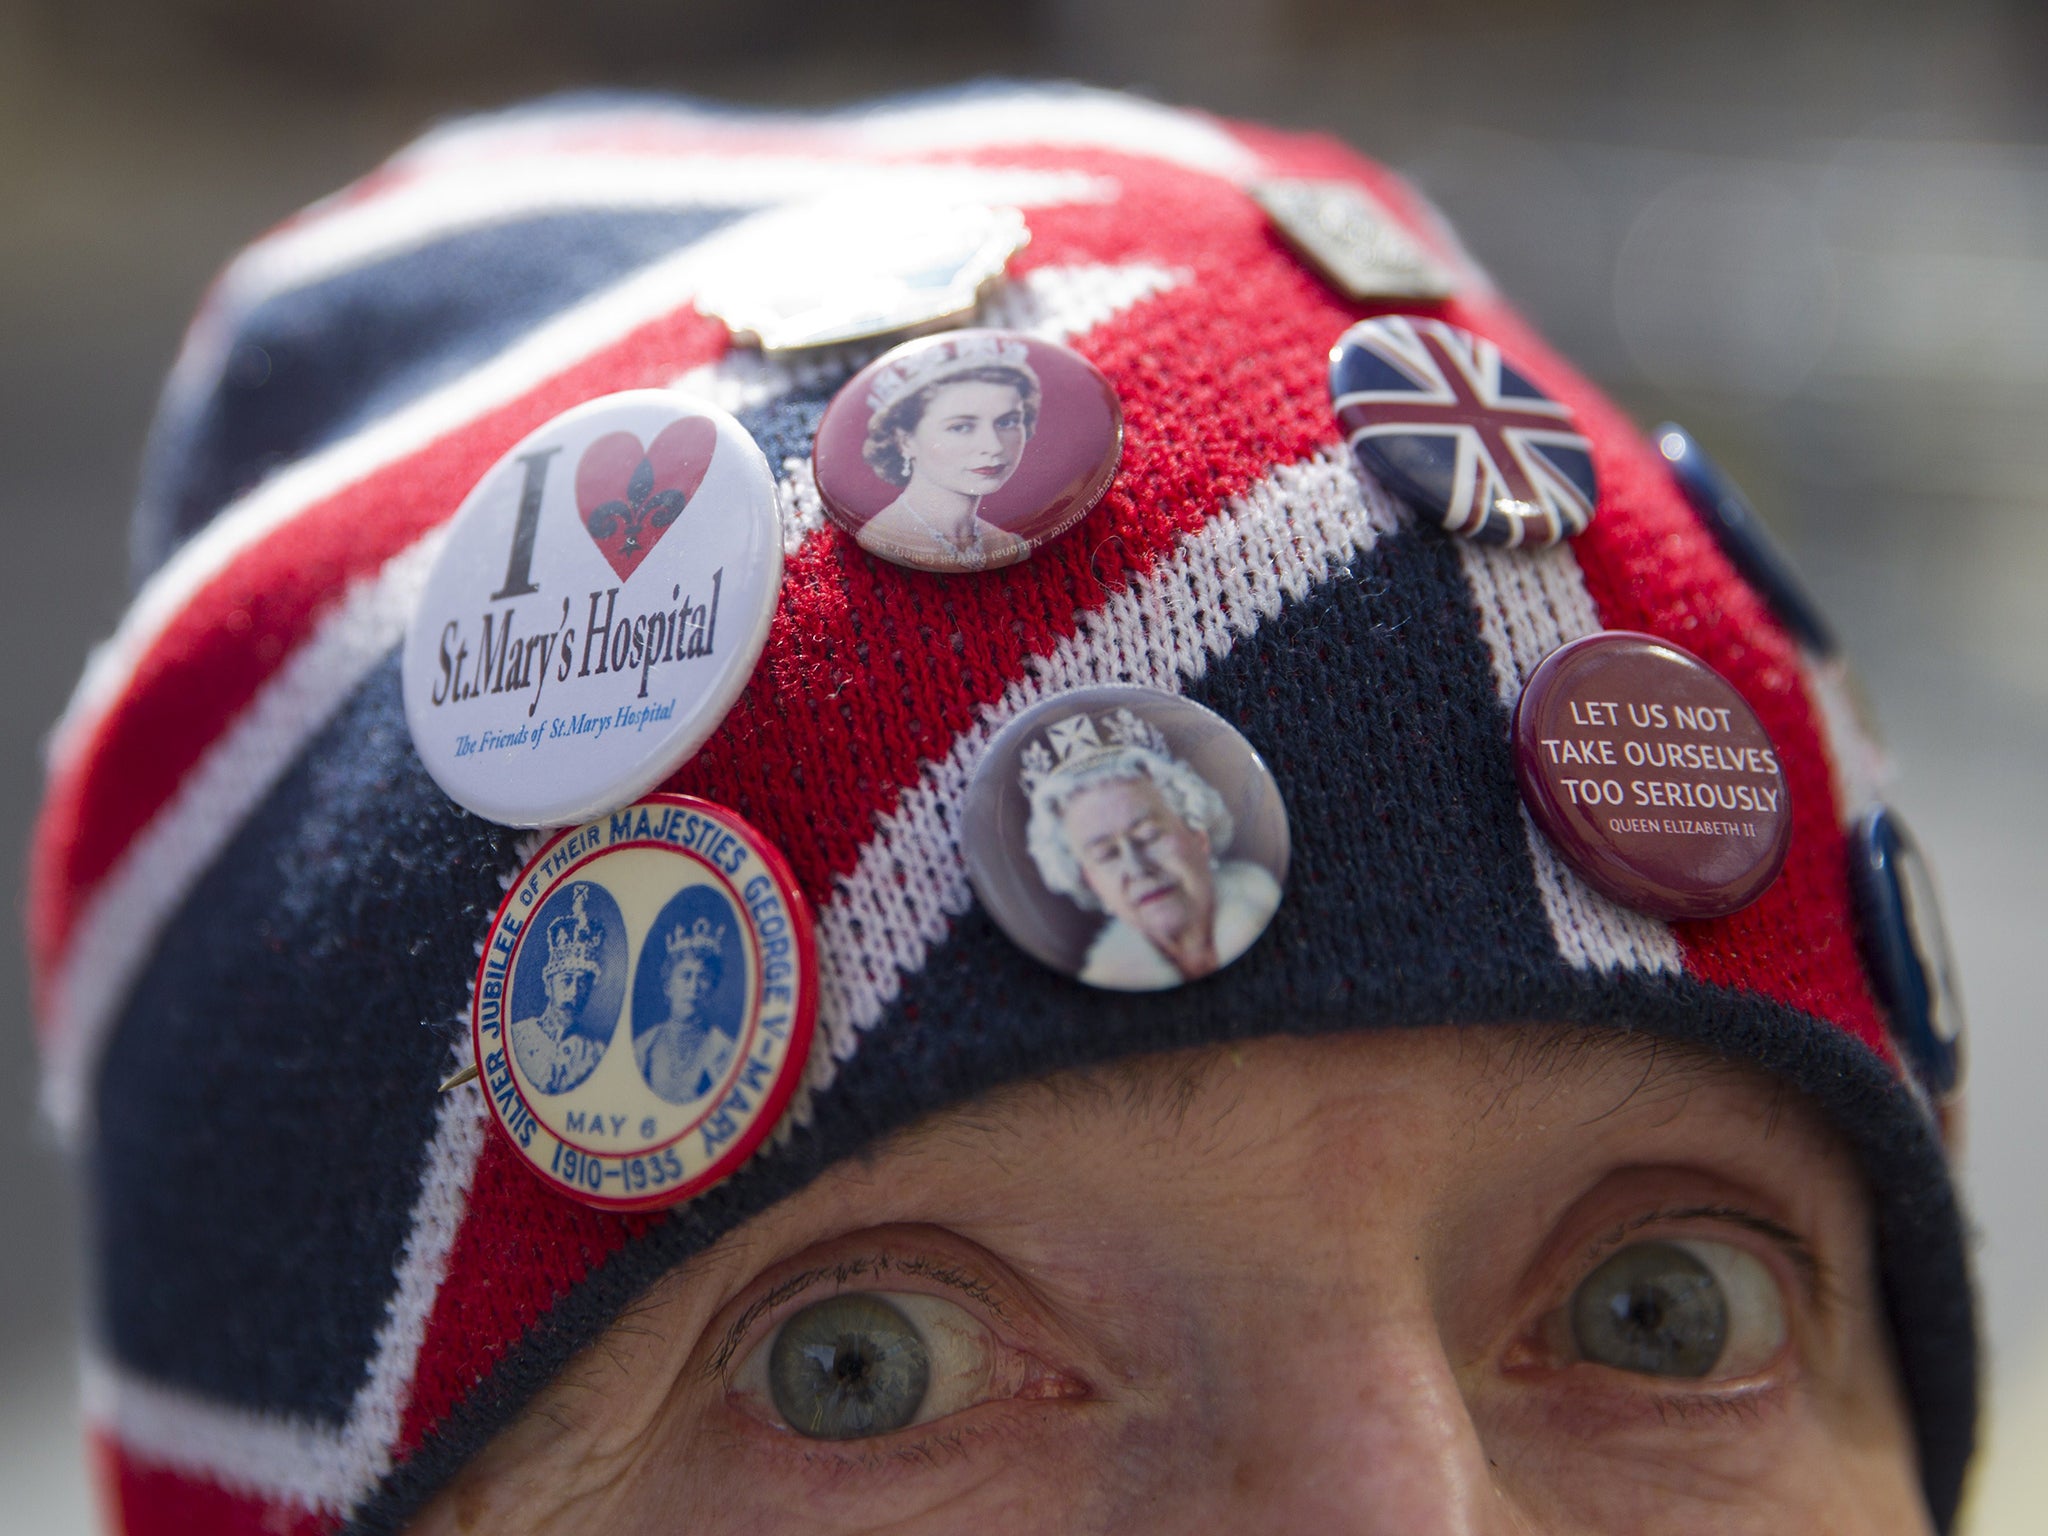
(700, 939)
(948, 356)
(573, 940)
(1081, 740)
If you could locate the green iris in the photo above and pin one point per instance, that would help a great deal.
(1653, 1309)
(848, 1367)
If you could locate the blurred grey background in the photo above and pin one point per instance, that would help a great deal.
(1815, 234)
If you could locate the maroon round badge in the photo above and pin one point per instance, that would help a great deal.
(965, 452)
(1651, 776)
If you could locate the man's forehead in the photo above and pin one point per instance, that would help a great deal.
(1493, 1074)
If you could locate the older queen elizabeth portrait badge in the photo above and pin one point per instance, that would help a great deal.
(1126, 836)
(967, 451)
(645, 1003)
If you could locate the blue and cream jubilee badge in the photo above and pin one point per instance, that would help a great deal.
(645, 1003)
(600, 600)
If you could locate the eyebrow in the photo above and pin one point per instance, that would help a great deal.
(1541, 1058)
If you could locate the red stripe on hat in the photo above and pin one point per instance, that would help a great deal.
(236, 631)
(521, 1248)
(1656, 568)
(1220, 380)
(140, 1498)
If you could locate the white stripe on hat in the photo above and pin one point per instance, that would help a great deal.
(1860, 765)
(1530, 602)
(447, 201)
(554, 347)
(1069, 117)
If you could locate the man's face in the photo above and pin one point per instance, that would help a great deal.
(1474, 1281)
(569, 989)
(1143, 863)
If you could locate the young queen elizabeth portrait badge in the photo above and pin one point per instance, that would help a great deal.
(965, 452)
(599, 602)
(645, 1003)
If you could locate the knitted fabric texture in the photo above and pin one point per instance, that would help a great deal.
(321, 1286)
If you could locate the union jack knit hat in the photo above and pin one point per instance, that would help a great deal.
(321, 1285)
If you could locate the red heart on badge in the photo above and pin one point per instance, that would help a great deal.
(629, 496)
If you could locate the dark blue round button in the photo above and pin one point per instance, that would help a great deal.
(1904, 941)
(1743, 538)
(1452, 426)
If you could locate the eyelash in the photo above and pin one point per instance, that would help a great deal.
(865, 1272)
(1746, 1404)
(1718, 1223)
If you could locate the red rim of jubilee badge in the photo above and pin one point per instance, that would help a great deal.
(646, 1003)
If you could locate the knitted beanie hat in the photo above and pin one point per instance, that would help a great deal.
(320, 1284)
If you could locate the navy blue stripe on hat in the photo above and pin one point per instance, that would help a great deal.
(271, 1082)
(311, 364)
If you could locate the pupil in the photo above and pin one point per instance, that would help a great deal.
(848, 1367)
(851, 1364)
(1645, 1311)
(1653, 1309)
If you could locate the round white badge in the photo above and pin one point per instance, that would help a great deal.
(601, 600)
(645, 1003)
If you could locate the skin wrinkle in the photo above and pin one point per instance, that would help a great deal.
(1160, 1099)
(1210, 1238)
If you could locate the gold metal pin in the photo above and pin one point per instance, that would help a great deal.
(457, 1079)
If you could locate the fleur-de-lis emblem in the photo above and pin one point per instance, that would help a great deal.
(644, 508)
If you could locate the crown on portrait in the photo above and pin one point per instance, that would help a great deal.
(699, 939)
(940, 358)
(1079, 741)
(573, 939)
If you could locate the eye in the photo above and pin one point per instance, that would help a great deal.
(1687, 1308)
(869, 1363)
